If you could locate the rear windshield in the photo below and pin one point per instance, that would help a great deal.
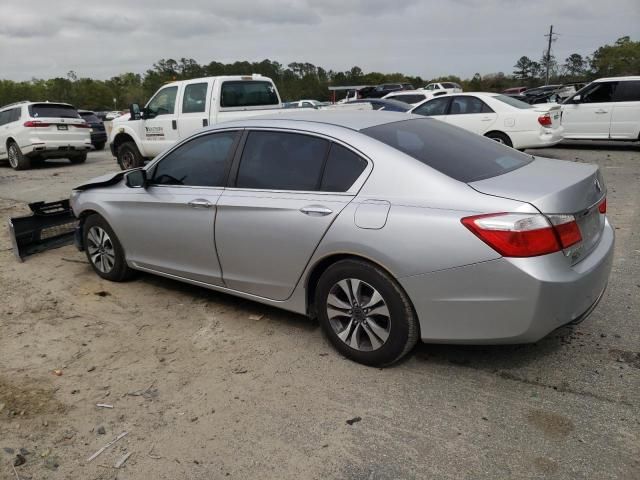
(461, 155)
(514, 102)
(450, 85)
(90, 117)
(410, 97)
(248, 94)
(50, 110)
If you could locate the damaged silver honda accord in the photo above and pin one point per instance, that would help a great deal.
(388, 228)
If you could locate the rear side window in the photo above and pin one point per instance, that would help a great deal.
(51, 110)
(4, 117)
(628, 91)
(195, 97)
(461, 155)
(201, 162)
(434, 107)
(248, 94)
(282, 161)
(342, 169)
(468, 105)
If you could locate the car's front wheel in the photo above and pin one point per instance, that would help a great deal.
(104, 251)
(365, 313)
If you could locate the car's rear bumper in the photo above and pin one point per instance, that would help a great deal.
(57, 148)
(545, 137)
(509, 300)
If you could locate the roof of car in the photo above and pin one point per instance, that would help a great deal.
(611, 79)
(352, 119)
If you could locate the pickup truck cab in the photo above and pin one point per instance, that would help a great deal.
(180, 108)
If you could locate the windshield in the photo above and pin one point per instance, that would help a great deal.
(49, 110)
(459, 154)
(514, 102)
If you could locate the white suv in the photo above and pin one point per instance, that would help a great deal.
(36, 131)
(606, 109)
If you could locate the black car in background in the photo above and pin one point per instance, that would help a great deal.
(98, 132)
(381, 90)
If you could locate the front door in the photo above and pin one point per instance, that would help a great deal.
(169, 226)
(271, 222)
(160, 124)
(590, 116)
(195, 107)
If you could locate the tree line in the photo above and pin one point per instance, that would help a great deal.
(305, 80)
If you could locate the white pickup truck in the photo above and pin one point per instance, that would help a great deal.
(180, 108)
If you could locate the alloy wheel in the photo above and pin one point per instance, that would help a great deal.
(128, 159)
(101, 250)
(13, 156)
(358, 314)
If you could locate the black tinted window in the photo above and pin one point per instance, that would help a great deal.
(467, 105)
(461, 155)
(90, 117)
(410, 98)
(48, 110)
(600, 93)
(437, 106)
(248, 94)
(282, 161)
(4, 117)
(342, 169)
(195, 96)
(628, 91)
(201, 162)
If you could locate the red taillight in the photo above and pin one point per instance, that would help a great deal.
(35, 123)
(524, 235)
(545, 120)
(82, 125)
(602, 208)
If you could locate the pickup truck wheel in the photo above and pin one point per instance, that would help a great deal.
(129, 156)
(81, 158)
(104, 251)
(16, 159)
(99, 146)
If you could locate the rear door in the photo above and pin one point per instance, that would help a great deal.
(288, 189)
(625, 119)
(169, 226)
(160, 121)
(195, 106)
(590, 117)
(471, 113)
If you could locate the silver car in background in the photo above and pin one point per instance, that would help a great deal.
(387, 228)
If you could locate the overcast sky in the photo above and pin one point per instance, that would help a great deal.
(46, 38)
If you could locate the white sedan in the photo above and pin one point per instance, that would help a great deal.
(499, 117)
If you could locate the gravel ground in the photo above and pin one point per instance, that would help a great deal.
(209, 386)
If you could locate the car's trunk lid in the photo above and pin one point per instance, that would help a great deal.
(556, 187)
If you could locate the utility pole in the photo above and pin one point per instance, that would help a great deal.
(548, 56)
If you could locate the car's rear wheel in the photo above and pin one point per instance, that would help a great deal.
(16, 159)
(129, 156)
(104, 251)
(500, 138)
(99, 146)
(79, 158)
(365, 313)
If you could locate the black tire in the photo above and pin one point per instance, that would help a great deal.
(129, 156)
(401, 324)
(81, 158)
(116, 270)
(99, 146)
(500, 138)
(17, 160)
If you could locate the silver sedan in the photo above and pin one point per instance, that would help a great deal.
(388, 228)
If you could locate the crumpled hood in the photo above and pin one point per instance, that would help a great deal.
(102, 181)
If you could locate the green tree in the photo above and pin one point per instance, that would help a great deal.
(621, 58)
(523, 68)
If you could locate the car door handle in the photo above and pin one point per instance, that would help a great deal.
(602, 111)
(174, 124)
(200, 203)
(486, 119)
(316, 211)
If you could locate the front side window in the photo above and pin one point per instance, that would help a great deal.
(600, 93)
(195, 98)
(164, 103)
(342, 169)
(201, 162)
(248, 93)
(282, 161)
(433, 107)
(468, 105)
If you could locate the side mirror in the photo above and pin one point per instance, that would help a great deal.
(134, 111)
(136, 178)
(577, 99)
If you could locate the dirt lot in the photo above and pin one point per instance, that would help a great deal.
(208, 386)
